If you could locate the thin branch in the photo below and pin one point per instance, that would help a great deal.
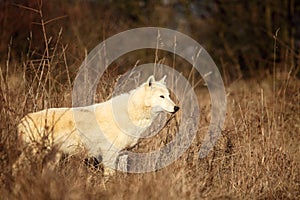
(26, 8)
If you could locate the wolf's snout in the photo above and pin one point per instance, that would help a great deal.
(176, 108)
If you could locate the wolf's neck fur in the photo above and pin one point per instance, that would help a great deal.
(139, 113)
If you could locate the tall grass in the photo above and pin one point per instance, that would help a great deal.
(257, 156)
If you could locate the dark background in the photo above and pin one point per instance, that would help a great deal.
(239, 35)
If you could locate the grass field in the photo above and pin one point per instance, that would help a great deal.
(257, 156)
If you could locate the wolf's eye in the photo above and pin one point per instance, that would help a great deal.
(162, 96)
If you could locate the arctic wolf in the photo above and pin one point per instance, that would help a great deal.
(104, 129)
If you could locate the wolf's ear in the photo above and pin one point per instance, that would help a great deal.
(150, 80)
(163, 80)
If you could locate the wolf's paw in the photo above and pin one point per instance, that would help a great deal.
(109, 172)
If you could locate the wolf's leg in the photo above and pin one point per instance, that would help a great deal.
(52, 161)
(109, 160)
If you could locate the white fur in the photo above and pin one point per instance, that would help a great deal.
(103, 129)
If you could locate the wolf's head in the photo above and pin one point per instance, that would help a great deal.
(148, 100)
(157, 96)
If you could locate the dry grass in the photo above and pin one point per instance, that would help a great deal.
(257, 156)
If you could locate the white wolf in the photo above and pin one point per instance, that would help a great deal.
(103, 129)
